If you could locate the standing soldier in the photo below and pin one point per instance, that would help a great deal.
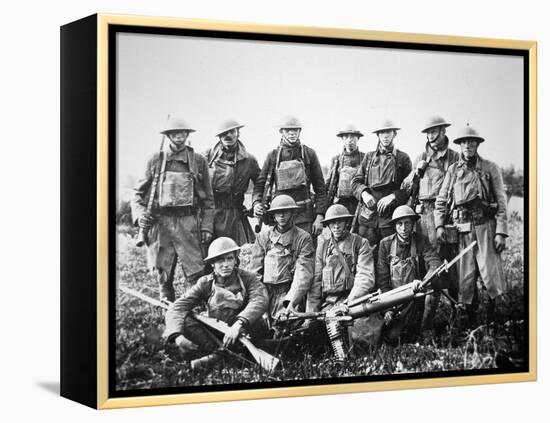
(405, 257)
(292, 169)
(343, 168)
(377, 184)
(232, 169)
(426, 178)
(283, 257)
(423, 184)
(179, 222)
(472, 198)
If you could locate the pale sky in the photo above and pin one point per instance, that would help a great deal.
(257, 83)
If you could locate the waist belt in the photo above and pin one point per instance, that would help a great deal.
(228, 200)
(477, 215)
(178, 211)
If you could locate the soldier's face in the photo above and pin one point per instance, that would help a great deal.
(225, 265)
(469, 147)
(337, 227)
(350, 142)
(230, 138)
(283, 218)
(435, 137)
(178, 138)
(404, 227)
(386, 137)
(291, 134)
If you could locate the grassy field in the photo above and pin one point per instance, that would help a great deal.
(144, 361)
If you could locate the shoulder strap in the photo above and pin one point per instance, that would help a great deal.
(341, 257)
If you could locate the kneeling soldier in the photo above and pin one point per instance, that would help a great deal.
(344, 265)
(283, 257)
(405, 257)
(180, 221)
(232, 295)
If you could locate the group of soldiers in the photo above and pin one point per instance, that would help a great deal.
(378, 222)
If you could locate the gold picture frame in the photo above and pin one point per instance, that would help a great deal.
(86, 46)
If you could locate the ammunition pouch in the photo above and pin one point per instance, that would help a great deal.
(451, 234)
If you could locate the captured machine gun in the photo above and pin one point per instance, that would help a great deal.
(262, 358)
(344, 314)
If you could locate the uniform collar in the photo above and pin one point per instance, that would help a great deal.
(464, 163)
(285, 143)
(380, 152)
(218, 281)
(436, 155)
(240, 152)
(181, 155)
(284, 239)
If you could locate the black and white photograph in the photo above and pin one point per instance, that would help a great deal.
(295, 211)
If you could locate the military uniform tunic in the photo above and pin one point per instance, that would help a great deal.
(381, 173)
(476, 190)
(231, 171)
(285, 263)
(296, 169)
(345, 166)
(182, 208)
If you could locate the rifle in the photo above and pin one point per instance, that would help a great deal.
(142, 234)
(266, 197)
(374, 302)
(333, 177)
(263, 358)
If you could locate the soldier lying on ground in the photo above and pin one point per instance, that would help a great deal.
(230, 294)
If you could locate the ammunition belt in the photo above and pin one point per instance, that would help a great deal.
(178, 211)
(303, 204)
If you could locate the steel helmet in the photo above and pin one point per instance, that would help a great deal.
(176, 124)
(385, 125)
(468, 132)
(435, 121)
(220, 247)
(290, 122)
(350, 129)
(403, 211)
(336, 212)
(283, 202)
(228, 125)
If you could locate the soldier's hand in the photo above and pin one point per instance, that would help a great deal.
(368, 200)
(145, 221)
(385, 203)
(416, 286)
(500, 243)
(185, 345)
(259, 210)
(206, 237)
(318, 225)
(285, 312)
(441, 235)
(388, 317)
(233, 334)
(421, 168)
